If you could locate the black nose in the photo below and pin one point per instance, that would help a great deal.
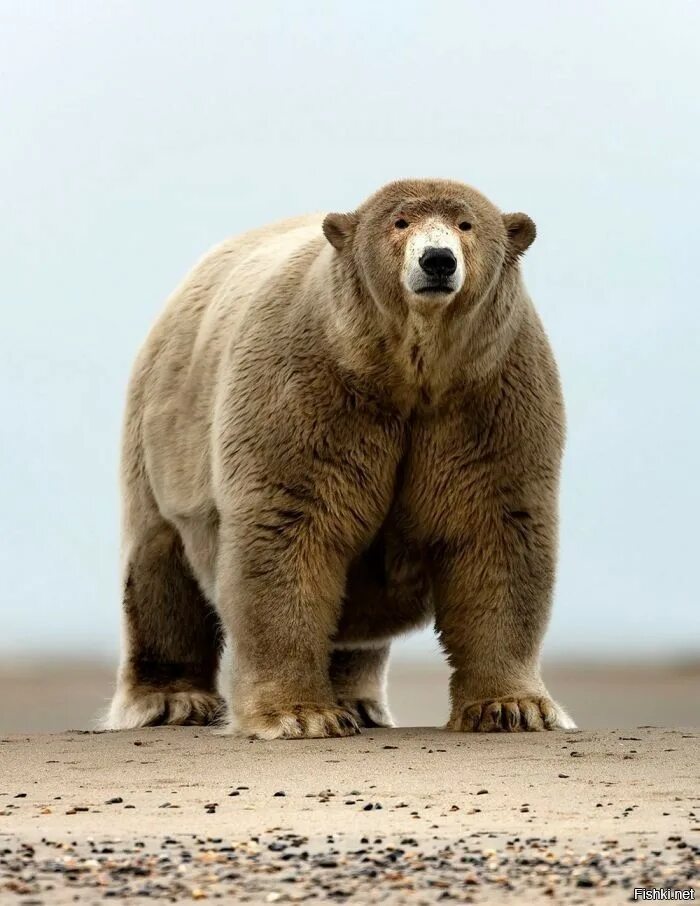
(438, 262)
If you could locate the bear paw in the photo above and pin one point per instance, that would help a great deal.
(511, 715)
(298, 722)
(151, 708)
(368, 712)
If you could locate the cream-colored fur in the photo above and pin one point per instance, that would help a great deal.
(317, 458)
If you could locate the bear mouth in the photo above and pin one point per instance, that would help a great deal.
(435, 289)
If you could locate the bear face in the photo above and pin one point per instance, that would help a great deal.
(428, 244)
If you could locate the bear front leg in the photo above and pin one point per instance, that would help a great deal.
(279, 594)
(493, 594)
(303, 489)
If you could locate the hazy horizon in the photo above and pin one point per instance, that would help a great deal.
(137, 136)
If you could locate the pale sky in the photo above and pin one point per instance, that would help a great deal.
(134, 136)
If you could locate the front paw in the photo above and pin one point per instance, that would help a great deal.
(511, 715)
(304, 721)
(368, 712)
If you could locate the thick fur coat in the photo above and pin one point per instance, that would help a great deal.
(340, 430)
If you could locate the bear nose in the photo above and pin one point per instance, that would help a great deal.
(438, 262)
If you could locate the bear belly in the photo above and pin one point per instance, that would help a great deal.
(388, 592)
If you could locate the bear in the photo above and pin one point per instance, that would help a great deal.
(339, 430)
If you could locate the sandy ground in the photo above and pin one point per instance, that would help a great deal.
(392, 816)
(45, 696)
(414, 816)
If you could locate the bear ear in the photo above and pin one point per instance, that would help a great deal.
(338, 229)
(521, 233)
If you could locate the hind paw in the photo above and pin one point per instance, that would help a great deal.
(151, 708)
(368, 712)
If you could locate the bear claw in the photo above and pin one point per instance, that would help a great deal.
(511, 715)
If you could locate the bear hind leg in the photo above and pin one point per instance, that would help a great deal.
(359, 678)
(168, 673)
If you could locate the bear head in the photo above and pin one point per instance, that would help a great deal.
(428, 244)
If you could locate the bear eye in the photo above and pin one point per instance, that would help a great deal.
(465, 225)
(401, 224)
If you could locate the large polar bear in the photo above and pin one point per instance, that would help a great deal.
(340, 430)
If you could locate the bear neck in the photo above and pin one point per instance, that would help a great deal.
(424, 360)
